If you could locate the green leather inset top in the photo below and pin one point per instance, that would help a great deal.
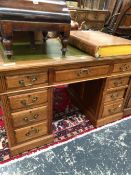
(49, 50)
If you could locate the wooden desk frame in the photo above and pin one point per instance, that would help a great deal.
(110, 75)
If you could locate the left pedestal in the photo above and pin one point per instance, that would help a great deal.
(27, 110)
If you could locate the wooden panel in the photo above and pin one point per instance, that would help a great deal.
(29, 116)
(109, 119)
(122, 67)
(27, 100)
(30, 144)
(118, 94)
(31, 132)
(129, 103)
(112, 109)
(94, 25)
(86, 72)
(96, 16)
(118, 82)
(26, 80)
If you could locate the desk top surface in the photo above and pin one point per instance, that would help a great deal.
(48, 54)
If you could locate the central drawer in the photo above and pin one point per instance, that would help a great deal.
(28, 100)
(28, 117)
(81, 73)
(30, 132)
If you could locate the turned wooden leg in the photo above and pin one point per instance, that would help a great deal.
(64, 41)
(7, 35)
(0, 37)
(45, 36)
(32, 40)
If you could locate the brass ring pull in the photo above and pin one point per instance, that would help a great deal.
(32, 132)
(34, 118)
(83, 72)
(32, 81)
(124, 68)
(114, 96)
(32, 78)
(24, 102)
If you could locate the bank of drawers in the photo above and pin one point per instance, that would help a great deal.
(113, 101)
(28, 109)
(29, 115)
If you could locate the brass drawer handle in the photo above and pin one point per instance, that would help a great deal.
(83, 71)
(24, 102)
(34, 118)
(32, 132)
(33, 79)
(124, 68)
(114, 96)
(118, 83)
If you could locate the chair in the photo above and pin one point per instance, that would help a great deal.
(120, 22)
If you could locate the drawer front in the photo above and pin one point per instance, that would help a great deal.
(29, 80)
(31, 132)
(94, 25)
(96, 17)
(112, 109)
(114, 95)
(117, 82)
(122, 67)
(29, 116)
(27, 100)
(73, 74)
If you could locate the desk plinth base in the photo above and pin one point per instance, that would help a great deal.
(41, 141)
(104, 121)
(127, 111)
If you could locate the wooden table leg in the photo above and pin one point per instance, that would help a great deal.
(7, 33)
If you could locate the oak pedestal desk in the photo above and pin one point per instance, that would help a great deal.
(99, 87)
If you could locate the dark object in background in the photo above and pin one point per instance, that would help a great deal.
(120, 21)
(23, 15)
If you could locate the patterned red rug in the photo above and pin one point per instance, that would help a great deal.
(68, 122)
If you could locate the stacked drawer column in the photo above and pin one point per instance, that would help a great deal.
(27, 107)
(114, 95)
